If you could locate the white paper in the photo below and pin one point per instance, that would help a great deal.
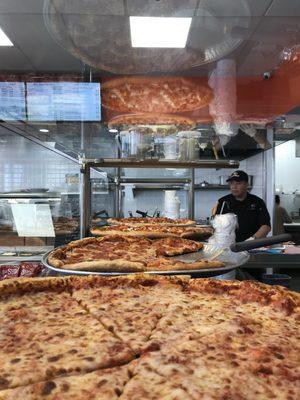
(33, 220)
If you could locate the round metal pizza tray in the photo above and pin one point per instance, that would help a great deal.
(231, 261)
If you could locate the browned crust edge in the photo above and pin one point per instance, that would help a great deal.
(247, 291)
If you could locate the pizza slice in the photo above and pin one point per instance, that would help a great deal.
(175, 246)
(106, 384)
(130, 307)
(211, 351)
(42, 343)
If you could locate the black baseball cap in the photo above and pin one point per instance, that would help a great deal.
(238, 176)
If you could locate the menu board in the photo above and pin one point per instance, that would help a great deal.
(12, 101)
(63, 101)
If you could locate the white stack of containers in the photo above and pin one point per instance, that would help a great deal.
(172, 204)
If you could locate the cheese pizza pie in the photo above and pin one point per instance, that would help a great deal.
(153, 231)
(141, 221)
(126, 121)
(128, 254)
(144, 337)
(161, 95)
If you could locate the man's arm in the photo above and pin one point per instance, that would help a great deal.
(262, 232)
(264, 222)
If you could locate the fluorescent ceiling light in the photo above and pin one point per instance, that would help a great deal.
(44, 130)
(4, 40)
(159, 31)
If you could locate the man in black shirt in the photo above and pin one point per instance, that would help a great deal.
(252, 213)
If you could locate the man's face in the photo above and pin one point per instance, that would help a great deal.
(238, 189)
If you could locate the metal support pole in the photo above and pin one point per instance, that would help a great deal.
(269, 175)
(118, 187)
(118, 194)
(85, 200)
(191, 198)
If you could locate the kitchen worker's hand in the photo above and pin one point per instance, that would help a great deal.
(214, 209)
(250, 238)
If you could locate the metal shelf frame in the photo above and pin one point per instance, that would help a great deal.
(120, 163)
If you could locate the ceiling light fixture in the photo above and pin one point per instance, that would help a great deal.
(44, 130)
(159, 31)
(4, 39)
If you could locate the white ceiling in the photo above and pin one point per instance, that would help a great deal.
(273, 24)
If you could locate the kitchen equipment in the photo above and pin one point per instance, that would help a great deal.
(100, 218)
(277, 279)
(144, 214)
(172, 204)
(188, 145)
(204, 184)
(170, 148)
(136, 144)
(34, 190)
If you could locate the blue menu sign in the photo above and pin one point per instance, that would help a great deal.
(63, 101)
(12, 101)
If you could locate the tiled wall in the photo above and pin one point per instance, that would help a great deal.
(25, 165)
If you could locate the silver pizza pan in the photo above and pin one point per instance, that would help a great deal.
(231, 260)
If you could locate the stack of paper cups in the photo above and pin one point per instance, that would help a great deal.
(172, 204)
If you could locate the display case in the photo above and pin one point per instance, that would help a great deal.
(37, 218)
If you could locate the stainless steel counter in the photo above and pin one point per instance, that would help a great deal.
(268, 260)
(39, 250)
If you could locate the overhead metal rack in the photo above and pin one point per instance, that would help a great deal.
(120, 163)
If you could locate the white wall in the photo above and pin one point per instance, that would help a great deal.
(287, 167)
(287, 175)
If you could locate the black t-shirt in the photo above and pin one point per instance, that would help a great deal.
(252, 213)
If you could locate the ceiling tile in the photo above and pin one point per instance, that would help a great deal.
(281, 31)
(12, 59)
(166, 8)
(21, 6)
(288, 8)
(267, 42)
(233, 8)
(29, 34)
(95, 7)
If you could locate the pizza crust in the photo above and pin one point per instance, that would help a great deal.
(150, 235)
(126, 121)
(106, 265)
(182, 266)
(22, 285)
